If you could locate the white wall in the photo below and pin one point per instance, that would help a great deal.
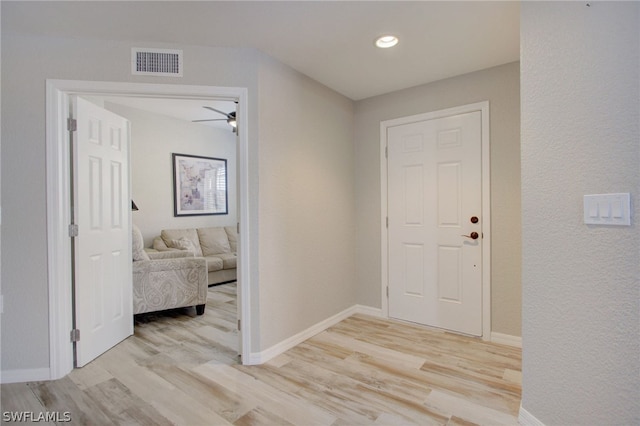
(154, 138)
(306, 197)
(580, 75)
(498, 85)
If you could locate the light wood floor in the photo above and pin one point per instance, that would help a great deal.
(182, 369)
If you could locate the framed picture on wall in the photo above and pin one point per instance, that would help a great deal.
(199, 185)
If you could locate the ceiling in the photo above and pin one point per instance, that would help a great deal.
(181, 109)
(330, 41)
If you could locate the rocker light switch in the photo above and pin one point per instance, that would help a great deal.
(607, 209)
(617, 208)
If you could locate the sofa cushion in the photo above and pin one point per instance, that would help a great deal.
(232, 234)
(229, 260)
(168, 235)
(214, 263)
(213, 241)
(137, 244)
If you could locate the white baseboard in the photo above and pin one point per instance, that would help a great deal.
(279, 348)
(20, 376)
(525, 418)
(368, 310)
(506, 339)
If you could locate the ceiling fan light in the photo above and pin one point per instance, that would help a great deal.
(232, 122)
(386, 41)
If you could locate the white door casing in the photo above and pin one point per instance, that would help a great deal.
(102, 249)
(435, 180)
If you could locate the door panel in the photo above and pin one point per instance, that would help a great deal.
(413, 200)
(434, 188)
(103, 280)
(413, 270)
(449, 202)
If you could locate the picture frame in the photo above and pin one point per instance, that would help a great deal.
(199, 185)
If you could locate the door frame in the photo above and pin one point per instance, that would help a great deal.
(483, 107)
(59, 207)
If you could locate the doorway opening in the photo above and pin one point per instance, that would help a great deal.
(59, 187)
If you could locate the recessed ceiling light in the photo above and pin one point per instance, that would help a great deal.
(386, 41)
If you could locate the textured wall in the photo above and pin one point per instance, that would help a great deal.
(580, 135)
(498, 85)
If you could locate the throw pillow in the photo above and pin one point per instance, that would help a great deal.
(184, 244)
(176, 234)
(137, 244)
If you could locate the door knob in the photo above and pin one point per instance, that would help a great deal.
(473, 236)
(474, 219)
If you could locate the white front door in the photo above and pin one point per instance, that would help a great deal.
(103, 289)
(435, 222)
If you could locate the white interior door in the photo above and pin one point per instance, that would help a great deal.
(103, 278)
(435, 224)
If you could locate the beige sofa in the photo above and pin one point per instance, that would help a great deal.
(218, 245)
(167, 280)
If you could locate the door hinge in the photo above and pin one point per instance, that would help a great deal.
(239, 325)
(387, 292)
(72, 124)
(238, 226)
(386, 152)
(73, 230)
(387, 222)
(75, 335)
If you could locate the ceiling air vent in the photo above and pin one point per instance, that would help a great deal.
(160, 62)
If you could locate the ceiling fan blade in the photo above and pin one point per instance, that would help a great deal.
(210, 119)
(217, 110)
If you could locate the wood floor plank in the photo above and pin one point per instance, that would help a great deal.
(391, 355)
(122, 406)
(513, 376)
(431, 343)
(260, 416)
(322, 388)
(470, 412)
(64, 396)
(231, 406)
(19, 398)
(362, 374)
(90, 375)
(358, 386)
(160, 393)
(286, 404)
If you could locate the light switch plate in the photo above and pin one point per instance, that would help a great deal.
(607, 209)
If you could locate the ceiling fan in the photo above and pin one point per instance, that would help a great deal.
(230, 117)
